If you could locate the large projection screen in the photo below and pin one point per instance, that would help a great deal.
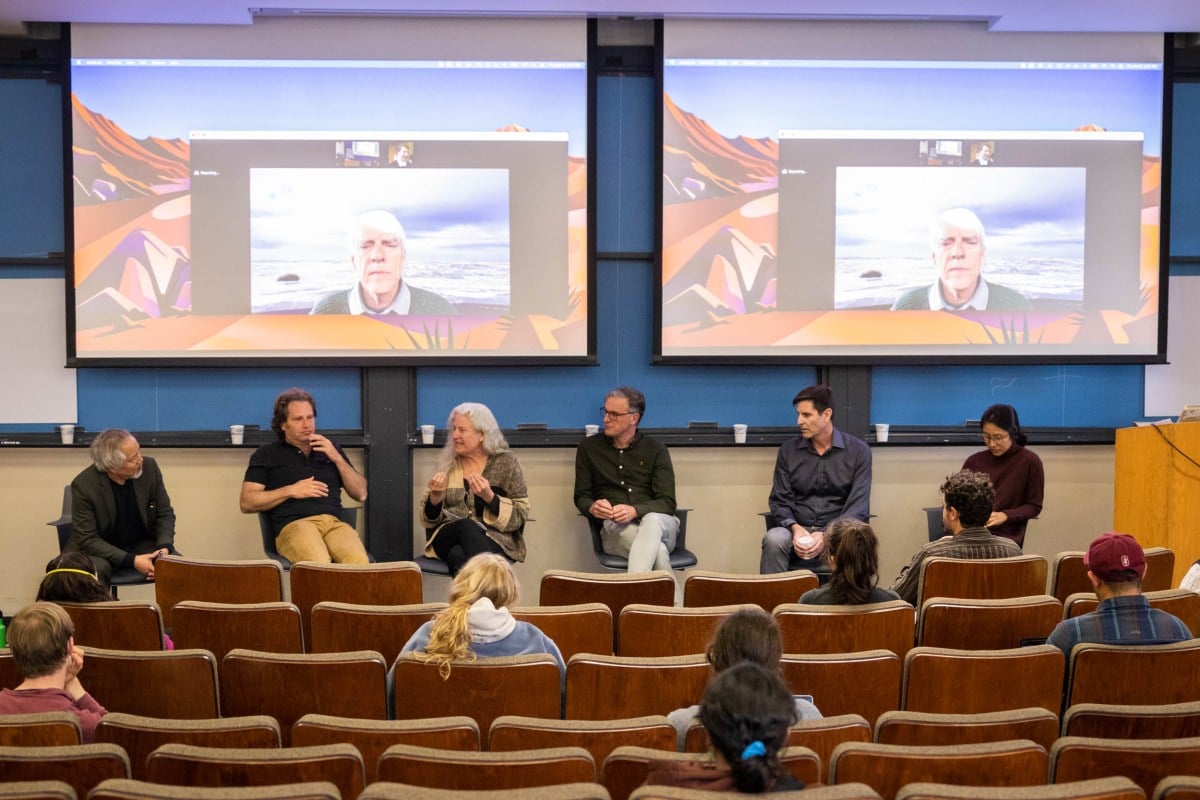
(909, 192)
(337, 191)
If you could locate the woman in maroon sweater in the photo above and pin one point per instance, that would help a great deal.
(1016, 472)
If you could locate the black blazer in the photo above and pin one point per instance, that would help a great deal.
(94, 511)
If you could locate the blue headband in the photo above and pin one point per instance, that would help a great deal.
(755, 748)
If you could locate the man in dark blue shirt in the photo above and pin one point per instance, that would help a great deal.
(820, 475)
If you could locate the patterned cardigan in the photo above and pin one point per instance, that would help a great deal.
(506, 526)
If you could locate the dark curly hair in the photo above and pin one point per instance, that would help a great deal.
(286, 397)
(971, 495)
(746, 706)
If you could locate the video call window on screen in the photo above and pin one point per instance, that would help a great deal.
(439, 212)
(959, 195)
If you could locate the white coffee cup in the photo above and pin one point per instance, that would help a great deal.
(427, 432)
(591, 430)
(881, 431)
(237, 434)
(739, 432)
(67, 434)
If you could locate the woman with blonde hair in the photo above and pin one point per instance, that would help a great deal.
(477, 500)
(478, 623)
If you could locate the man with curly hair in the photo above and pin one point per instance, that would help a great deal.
(966, 505)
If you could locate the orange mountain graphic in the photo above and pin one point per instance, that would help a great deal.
(112, 165)
(699, 163)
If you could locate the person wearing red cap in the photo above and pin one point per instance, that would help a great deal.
(1116, 564)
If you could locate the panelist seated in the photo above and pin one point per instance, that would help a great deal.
(476, 502)
(298, 481)
(121, 513)
(379, 251)
(957, 244)
(820, 475)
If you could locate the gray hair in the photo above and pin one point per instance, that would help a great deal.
(482, 420)
(637, 400)
(963, 218)
(106, 449)
(379, 220)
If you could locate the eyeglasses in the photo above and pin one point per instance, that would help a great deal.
(604, 412)
(991, 438)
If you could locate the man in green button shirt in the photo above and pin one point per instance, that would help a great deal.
(626, 479)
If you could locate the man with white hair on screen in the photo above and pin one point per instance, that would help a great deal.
(378, 251)
(957, 244)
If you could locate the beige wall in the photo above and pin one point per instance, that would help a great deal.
(724, 487)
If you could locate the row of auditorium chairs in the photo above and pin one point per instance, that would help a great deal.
(1178, 787)
(885, 768)
(139, 735)
(640, 629)
(399, 583)
(184, 683)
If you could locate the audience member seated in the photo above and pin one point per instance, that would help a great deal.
(1116, 565)
(967, 499)
(478, 623)
(41, 637)
(746, 710)
(476, 502)
(752, 635)
(71, 578)
(853, 553)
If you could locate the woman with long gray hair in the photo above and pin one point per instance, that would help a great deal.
(477, 501)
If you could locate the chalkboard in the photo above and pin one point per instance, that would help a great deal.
(1185, 156)
(32, 179)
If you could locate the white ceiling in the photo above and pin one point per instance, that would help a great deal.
(1002, 15)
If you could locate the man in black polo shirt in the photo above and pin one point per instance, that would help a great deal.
(298, 482)
(121, 514)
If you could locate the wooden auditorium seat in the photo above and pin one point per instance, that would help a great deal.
(886, 768)
(981, 578)
(598, 737)
(865, 683)
(1095, 789)
(649, 631)
(141, 790)
(177, 579)
(221, 627)
(704, 588)
(191, 766)
(178, 684)
(47, 729)
(945, 681)
(1134, 674)
(618, 687)
(1144, 761)
(343, 627)
(819, 735)
(583, 628)
(82, 766)
(117, 625)
(373, 736)
(846, 629)
(392, 583)
(918, 728)
(987, 624)
(287, 686)
(1106, 721)
(141, 736)
(529, 685)
(460, 769)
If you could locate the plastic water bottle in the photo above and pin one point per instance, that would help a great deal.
(3, 635)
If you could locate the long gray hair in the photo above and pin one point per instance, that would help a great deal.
(483, 421)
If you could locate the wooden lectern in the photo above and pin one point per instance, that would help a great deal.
(1157, 489)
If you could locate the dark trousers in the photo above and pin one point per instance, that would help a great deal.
(456, 543)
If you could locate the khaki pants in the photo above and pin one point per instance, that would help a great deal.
(322, 538)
